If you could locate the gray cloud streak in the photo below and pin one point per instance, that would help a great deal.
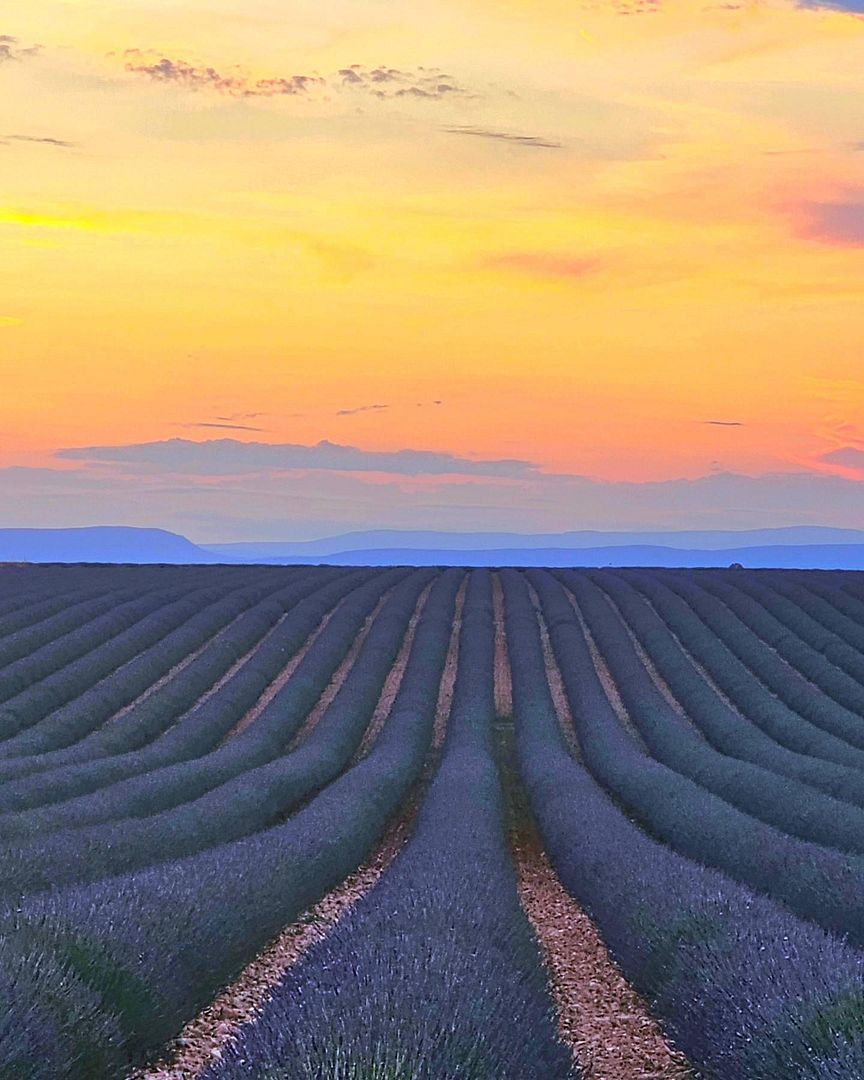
(380, 82)
(230, 457)
(227, 424)
(361, 409)
(11, 49)
(45, 140)
(535, 141)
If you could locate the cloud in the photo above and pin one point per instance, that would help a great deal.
(361, 409)
(382, 407)
(547, 264)
(43, 139)
(840, 223)
(228, 425)
(854, 7)
(236, 83)
(284, 505)
(230, 457)
(722, 423)
(637, 7)
(380, 82)
(388, 82)
(536, 141)
(12, 50)
(847, 457)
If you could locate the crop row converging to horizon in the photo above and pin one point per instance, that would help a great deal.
(405, 823)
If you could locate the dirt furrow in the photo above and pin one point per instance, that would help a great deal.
(179, 667)
(603, 1021)
(605, 675)
(336, 680)
(238, 664)
(601, 1018)
(703, 671)
(659, 682)
(555, 681)
(448, 681)
(393, 681)
(503, 680)
(282, 678)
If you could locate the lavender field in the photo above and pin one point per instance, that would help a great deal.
(303, 823)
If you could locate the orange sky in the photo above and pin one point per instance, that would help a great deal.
(589, 233)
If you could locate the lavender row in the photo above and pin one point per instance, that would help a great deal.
(806, 646)
(51, 595)
(37, 629)
(435, 972)
(743, 987)
(35, 685)
(786, 803)
(713, 716)
(97, 977)
(735, 679)
(232, 789)
(203, 615)
(815, 882)
(789, 685)
(147, 718)
(822, 607)
(157, 812)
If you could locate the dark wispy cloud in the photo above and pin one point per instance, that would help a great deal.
(361, 409)
(232, 418)
(384, 407)
(536, 141)
(637, 7)
(11, 49)
(389, 82)
(840, 223)
(230, 457)
(722, 423)
(45, 140)
(226, 425)
(547, 264)
(234, 82)
(380, 82)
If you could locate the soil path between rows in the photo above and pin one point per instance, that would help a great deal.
(601, 1019)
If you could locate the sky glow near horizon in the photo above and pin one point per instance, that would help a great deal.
(477, 264)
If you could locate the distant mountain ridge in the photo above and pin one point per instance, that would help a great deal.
(432, 540)
(804, 547)
(778, 556)
(102, 544)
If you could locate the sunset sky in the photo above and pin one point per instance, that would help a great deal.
(277, 268)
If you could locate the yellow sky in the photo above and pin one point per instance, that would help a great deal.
(612, 230)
